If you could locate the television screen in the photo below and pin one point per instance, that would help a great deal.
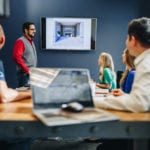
(68, 33)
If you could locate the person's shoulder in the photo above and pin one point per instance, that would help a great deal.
(132, 72)
(106, 69)
(19, 40)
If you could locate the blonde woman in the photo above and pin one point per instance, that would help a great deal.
(107, 77)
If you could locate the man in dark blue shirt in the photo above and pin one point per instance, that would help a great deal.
(7, 95)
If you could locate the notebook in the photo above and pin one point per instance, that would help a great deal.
(52, 87)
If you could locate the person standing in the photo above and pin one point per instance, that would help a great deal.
(24, 53)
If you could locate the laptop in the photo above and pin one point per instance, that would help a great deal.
(53, 87)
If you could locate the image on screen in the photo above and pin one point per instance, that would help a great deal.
(68, 33)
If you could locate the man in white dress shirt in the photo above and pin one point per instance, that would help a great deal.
(138, 44)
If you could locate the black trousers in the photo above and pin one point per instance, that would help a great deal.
(23, 78)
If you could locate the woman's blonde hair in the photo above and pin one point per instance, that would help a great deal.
(107, 62)
(129, 65)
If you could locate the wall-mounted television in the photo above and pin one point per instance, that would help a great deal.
(68, 33)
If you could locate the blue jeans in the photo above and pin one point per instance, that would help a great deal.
(23, 78)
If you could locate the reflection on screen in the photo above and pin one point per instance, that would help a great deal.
(67, 86)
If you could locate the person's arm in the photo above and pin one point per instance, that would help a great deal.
(9, 94)
(129, 81)
(137, 100)
(107, 80)
(18, 54)
(105, 86)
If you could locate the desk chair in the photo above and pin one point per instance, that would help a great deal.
(119, 75)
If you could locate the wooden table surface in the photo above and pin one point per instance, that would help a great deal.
(22, 110)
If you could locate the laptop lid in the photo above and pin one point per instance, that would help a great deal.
(52, 87)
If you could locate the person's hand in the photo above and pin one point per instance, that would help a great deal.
(117, 92)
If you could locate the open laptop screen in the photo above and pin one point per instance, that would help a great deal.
(51, 87)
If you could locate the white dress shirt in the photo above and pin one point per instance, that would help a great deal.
(139, 98)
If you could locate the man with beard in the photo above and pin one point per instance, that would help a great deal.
(24, 53)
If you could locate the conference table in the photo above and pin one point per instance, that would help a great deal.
(18, 121)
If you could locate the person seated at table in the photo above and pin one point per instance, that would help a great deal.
(138, 44)
(127, 78)
(126, 82)
(8, 94)
(107, 77)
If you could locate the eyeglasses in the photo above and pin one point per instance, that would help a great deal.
(32, 29)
